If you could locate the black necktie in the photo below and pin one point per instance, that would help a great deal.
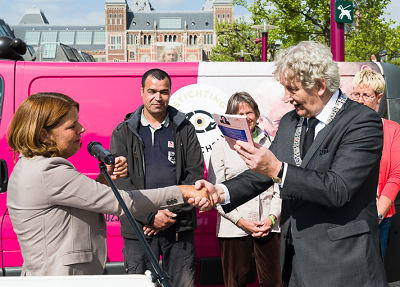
(309, 137)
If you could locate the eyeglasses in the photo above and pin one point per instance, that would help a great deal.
(365, 97)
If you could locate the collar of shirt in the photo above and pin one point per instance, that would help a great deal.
(145, 122)
(323, 116)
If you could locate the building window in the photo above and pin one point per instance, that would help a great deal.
(116, 42)
(116, 60)
(49, 37)
(66, 37)
(195, 40)
(111, 21)
(190, 40)
(174, 38)
(32, 38)
(99, 38)
(84, 37)
(49, 51)
(170, 38)
(211, 39)
(144, 40)
(120, 19)
(132, 55)
(165, 38)
(205, 39)
(170, 23)
(149, 40)
(115, 19)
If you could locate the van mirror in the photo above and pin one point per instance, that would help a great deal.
(3, 176)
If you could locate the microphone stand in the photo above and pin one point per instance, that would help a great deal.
(160, 274)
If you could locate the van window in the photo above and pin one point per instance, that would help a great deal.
(1, 95)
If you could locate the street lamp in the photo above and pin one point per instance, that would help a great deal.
(264, 44)
(242, 53)
(382, 55)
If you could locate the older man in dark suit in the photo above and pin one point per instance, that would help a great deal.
(325, 157)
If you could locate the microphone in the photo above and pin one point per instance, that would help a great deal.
(98, 151)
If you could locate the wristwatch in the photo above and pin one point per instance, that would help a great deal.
(278, 178)
(380, 216)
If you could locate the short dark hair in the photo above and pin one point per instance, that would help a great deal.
(156, 74)
(241, 97)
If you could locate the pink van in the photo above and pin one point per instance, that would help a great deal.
(106, 92)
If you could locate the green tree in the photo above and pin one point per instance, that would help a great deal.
(232, 39)
(300, 20)
(371, 34)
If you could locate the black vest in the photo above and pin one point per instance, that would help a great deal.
(159, 158)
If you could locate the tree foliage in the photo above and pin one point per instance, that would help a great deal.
(371, 34)
(232, 39)
(300, 20)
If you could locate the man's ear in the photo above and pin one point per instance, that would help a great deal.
(44, 136)
(379, 97)
(321, 87)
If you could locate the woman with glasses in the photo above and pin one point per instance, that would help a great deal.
(254, 226)
(368, 88)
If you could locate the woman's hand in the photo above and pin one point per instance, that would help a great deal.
(119, 169)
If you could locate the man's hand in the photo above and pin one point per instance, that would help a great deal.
(217, 192)
(198, 197)
(162, 220)
(258, 158)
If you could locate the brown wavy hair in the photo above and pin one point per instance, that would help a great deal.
(37, 112)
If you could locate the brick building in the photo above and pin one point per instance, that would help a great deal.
(139, 33)
(134, 33)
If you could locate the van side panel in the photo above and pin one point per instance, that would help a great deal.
(7, 104)
(106, 92)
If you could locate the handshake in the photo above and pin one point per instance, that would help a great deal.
(203, 194)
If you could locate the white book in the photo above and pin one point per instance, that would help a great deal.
(234, 128)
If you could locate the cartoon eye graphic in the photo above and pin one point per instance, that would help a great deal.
(202, 121)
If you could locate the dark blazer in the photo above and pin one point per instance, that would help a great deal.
(329, 202)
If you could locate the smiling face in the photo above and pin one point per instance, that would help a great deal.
(66, 134)
(366, 95)
(156, 94)
(245, 110)
(307, 103)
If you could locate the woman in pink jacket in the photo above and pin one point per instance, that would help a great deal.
(368, 88)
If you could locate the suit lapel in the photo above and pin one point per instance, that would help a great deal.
(319, 139)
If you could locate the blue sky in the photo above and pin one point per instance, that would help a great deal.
(91, 12)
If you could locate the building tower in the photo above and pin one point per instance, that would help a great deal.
(116, 24)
